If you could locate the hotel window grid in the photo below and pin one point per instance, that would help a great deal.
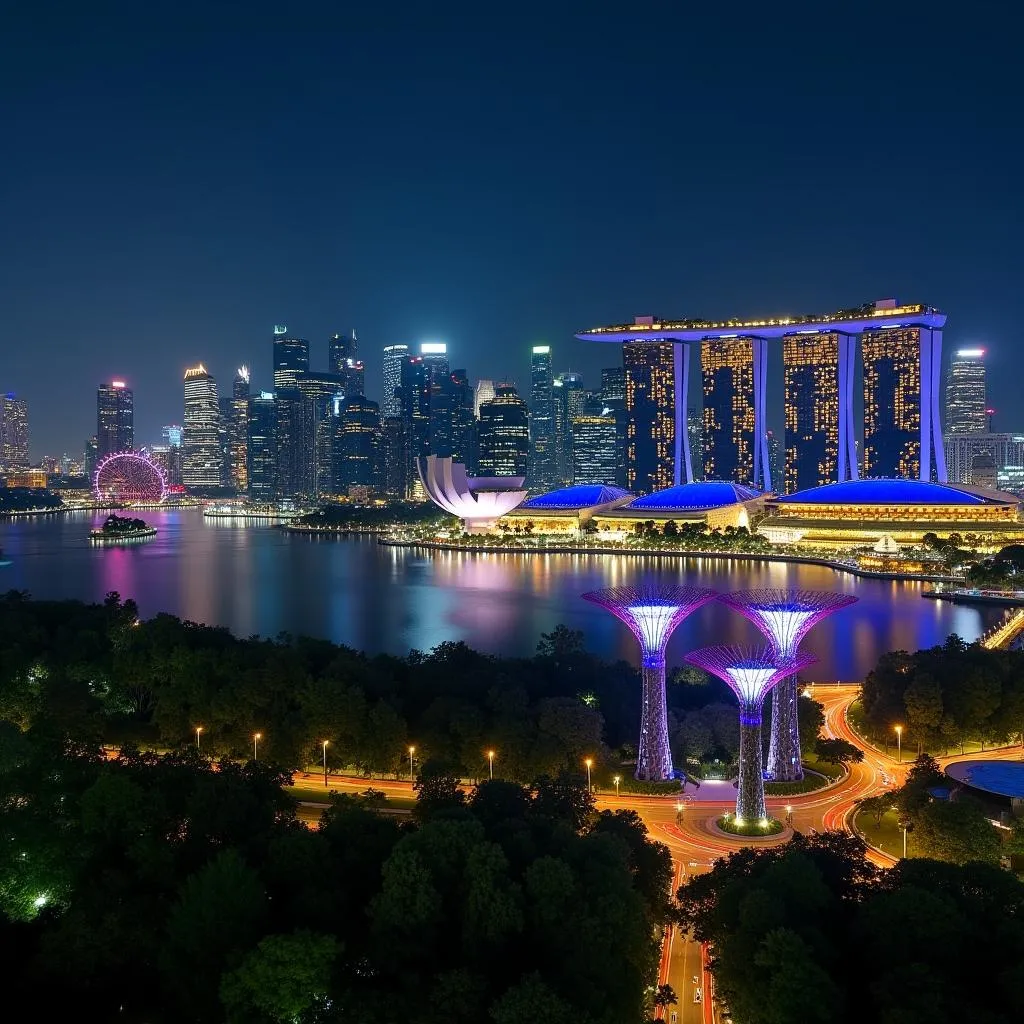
(892, 402)
(811, 385)
(727, 371)
(650, 408)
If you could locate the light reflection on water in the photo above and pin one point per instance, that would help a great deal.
(259, 580)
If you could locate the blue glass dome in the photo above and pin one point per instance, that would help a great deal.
(889, 492)
(578, 497)
(701, 494)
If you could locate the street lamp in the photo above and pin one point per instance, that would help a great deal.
(199, 729)
(679, 811)
(256, 737)
(325, 762)
(904, 841)
(588, 762)
(490, 765)
(899, 744)
(789, 814)
(617, 780)
(412, 750)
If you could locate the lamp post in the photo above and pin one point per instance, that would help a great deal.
(617, 780)
(899, 744)
(490, 765)
(256, 737)
(199, 729)
(789, 814)
(588, 762)
(325, 762)
(904, 842)
(679, 811)
(412, 750)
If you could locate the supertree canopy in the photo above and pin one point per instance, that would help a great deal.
(750, 673)
(785, 617)
(652, 613)
(130, 477)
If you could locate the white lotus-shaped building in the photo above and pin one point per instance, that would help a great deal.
(479, 501)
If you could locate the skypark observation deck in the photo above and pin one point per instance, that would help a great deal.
(845, 325)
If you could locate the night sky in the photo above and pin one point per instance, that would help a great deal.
(173, 183)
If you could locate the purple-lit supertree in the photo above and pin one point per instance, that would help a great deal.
(750, 673)
(652, 613)
(785, 617)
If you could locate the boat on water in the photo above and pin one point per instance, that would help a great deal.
(122, 530)
(972, 595)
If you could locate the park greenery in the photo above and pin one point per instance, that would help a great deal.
(812, 932)
(115, 526)
(28, 499)
(376, 518)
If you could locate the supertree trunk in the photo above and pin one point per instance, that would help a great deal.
(750, 804)
(654, 762)
(784, 743)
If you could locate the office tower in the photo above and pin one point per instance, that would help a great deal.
(695, 435)
(451, 416)
(91, 458)
(613, 385)
(544, 469)
(965, 393)
(115, 418)
(811, 385)
(239, 423)
(291, 357)
(394, 458)
(172, 436)
(310, 449)
(503, 441)
(355, 378)
(393, 358)
(901, 376)
(201, 454)
(596, 450)
(356, 446)
(1005, 450)
(13, 432)
(728, 379)
(484, 393)
(568, 401)
(340, 349)
(650, 406)
(435, 357)
(261, 447)
(415, 392)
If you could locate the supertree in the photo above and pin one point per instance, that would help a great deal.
(785, 617)
(652, 613)
(750, 673)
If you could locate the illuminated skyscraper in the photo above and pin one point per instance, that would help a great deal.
(543, 457)
(727, 367)
(451, 417)
(613, 386)
(356, 446)
(340, 349)
(393, 357)
(965, 393)
(651, 411)
(695, 435)
(484, 392)
(240, 430)
(172, 438)
(291, 357)
(901, 380)
(115, 418)
(504, 434)
(394, 457)
(261, 447)
(435, 357)
(202, 463)
(596, 451)
(13, 432)
(313, 445)
(415, 403)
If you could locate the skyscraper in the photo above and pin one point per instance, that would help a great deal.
(172, 437)
(650, 406)
(435, 357)
(544, 471)
(115, 418)
(569, 400)
(613, 386)
(695, 435)
(965, 393)
(13, 432)
(484, 392)
(596, 450)
(239, 425)
(415, 393)
(394, 457)
(451, 416)
(201, 453)
(356, 446)
(291, 357)
(897, 362)
(310, 430)
(340, 349)
(261, 465)
(503, 443)
(811, 385)
(393, 357)
(728, 379)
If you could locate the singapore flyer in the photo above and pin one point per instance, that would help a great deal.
(129, 478)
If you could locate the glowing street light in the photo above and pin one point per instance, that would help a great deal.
(588, 762)
(490, 765)
(325, 762)
(256, 737)
(199, 729)
(789, 814)
(899, 744)
(412, 750)
(617, 780)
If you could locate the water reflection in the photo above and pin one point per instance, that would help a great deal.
(257, 579)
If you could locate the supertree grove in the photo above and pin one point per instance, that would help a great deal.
(652, 613)
(785, 617)
(750, 673)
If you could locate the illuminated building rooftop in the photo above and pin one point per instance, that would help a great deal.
(702, 494)
(578, 497)
(894, 492)
(1004, 778)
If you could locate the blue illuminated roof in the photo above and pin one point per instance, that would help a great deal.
(890, 492)
(1003, 777)
(698, 495)
(580, 496)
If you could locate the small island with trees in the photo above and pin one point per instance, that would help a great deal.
(117, 529)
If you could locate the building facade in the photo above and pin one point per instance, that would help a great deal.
(435, 357)
(544, 471)
(503, 445)
(1006, 450)
(261, 447)
(596, 450)
(966, 398)
(357, 454)
(727, 370)
(291, 357)
(13, 432)
(115, 418)
(394, 458)
(239, 430)
(202, 463)
(394, 356)
(810, 365)
(483, 392)
(651, 415)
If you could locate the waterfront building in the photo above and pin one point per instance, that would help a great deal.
(966, 401)
(860, 513)
(394, 458)
(90, 457)
(544, 469)
(483, 392)
(356, 462)
(728, 383)
(435, 358)
(478, 502)
(171, 438)
(13, 432)
(810, 366)
(652, 614)
(291, 357)
(115, 418)
(503, 439)
(34, 479)
(566, 510)
(596, 453)
(962, 449)
(261, 447)
(202, 463)
(240, 430)
(651, 414)
(394, 356)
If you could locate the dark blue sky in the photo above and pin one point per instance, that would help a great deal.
(174, 182)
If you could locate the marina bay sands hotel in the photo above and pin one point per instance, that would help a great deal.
(901, 352)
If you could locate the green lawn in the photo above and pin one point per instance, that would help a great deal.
(830, 771)
(888, 836)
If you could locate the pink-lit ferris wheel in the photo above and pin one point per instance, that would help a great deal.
(129, 477)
